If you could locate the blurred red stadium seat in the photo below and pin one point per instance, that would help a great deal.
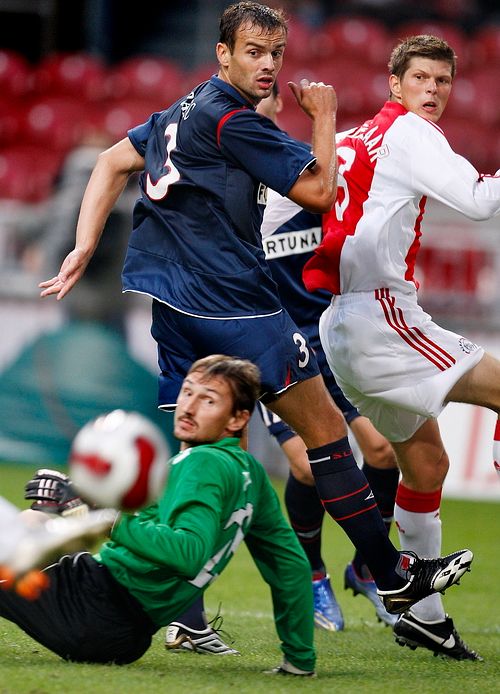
(300, 39)
(463, 98)
(485, 45)
(493, 163)
(16, 75)
(485, 82)
(28, 173)
(451, 33)
(116, 117)
(475, 145)
(54, 121)
(361, 88)
(10, 121)
(71, 74)
(376, 89)
(200, 74)
(361, 38)
(147, 77)
(475, 94)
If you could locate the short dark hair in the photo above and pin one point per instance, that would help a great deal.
(422, 46)
(242, 376)
(253, 12)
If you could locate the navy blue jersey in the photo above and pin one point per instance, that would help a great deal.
(290, 235)
(196, 242)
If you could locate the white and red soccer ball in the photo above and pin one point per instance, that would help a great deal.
(119, 460)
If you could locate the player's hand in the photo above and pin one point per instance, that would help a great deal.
(72, 269)
(52, 492)
(315, 98)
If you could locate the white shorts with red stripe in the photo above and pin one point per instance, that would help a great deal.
(391, 360)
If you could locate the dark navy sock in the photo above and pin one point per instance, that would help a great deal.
(194, 616)
(348, 499)
(306, 513)
(384, 485)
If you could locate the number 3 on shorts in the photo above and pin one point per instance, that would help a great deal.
(300, 341)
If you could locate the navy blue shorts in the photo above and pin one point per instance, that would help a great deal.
(277, 427)
(274, 344)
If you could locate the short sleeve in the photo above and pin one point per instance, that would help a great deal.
(139, 135)
(267, 153)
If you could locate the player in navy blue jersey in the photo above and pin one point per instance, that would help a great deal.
(290, 234)
(195, 248)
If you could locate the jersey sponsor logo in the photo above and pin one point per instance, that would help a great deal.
(467, 346)
(262, 194)
(292, 243)
(188, 105)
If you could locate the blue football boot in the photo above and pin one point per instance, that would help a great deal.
(327, 612)
(368, 588)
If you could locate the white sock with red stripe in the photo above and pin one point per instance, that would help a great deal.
(496, 447)
(419, 526)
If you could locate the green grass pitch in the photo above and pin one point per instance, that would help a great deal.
(364, 658)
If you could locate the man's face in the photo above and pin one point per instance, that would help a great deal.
(424, 88)
(204, 412)
(254, 64)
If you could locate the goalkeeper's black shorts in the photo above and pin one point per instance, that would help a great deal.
(84, 615)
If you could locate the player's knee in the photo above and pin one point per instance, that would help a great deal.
(427, 476)
(381, 455)
(303, 474)
(442, 468)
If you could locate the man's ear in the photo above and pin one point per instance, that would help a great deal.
(223, 53)
(395, 86)
(238, 421)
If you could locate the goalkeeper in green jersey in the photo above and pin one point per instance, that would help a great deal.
(105, 608)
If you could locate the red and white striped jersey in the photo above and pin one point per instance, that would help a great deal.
(387, 169)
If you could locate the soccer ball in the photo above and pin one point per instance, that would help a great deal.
(119, 460)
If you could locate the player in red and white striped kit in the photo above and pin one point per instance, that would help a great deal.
(391, 360)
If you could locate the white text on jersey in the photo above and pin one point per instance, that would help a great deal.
(292, 243)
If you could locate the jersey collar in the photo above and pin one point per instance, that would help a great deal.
(230, 91)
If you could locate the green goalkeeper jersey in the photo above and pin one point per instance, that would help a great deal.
(217, 495)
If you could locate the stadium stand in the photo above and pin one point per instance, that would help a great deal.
(71, 99)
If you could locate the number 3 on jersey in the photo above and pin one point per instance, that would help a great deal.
(158, 190)
(346, 157)
(300, 341)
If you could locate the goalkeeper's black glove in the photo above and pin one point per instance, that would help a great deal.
(53, 492)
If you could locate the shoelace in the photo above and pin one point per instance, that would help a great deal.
(216, 625)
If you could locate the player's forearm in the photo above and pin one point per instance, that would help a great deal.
(325, 151)
(182, 552)
(316, 189)
(283, 565)
(103, 190)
